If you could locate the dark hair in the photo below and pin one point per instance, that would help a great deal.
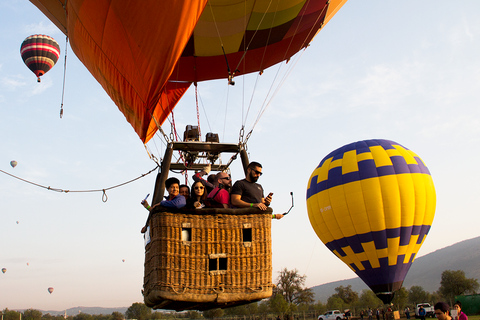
(171, 181)
(194, 196)
(458, 303)
(254, 164)
(443, 306)
(211, 178)
(183, 186)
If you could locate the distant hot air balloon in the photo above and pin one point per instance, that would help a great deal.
(13, 163)
(123, 260)
(40, 53)
(18, 222)
(4, 270)
(372, 204)
(50, 290)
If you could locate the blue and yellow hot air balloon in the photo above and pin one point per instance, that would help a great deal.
(372, 204)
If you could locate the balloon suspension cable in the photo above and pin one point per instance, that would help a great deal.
(104, 194)
(64, 76)
(198, 112)
(230, 74)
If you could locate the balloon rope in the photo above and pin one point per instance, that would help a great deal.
(198, 113)
(64, 74)
(104, 195)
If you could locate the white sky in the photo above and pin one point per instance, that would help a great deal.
(407, 71)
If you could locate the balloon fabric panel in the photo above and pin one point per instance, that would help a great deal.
(372, 203)
(134, 49)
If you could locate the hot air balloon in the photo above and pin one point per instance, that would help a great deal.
(123, 260)
(372, 204)
(50, 290)
(4, 270)
(40, 53)
(146, 56)
(13, 163)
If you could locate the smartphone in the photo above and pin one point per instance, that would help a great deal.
(270, 194)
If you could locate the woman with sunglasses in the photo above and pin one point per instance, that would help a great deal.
(197, 196)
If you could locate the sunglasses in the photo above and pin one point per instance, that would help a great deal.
(257, 172)
(226, 178)
(199, 188)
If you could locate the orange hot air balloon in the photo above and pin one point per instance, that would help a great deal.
(146, 55)
(40, 53)
(50, 290)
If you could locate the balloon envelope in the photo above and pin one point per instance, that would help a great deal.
(146, 55)
(13, 163)
(4, 270)
(40, 53)
(372, 204)
(50, 290)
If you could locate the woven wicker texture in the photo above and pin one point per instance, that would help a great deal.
(208, 258)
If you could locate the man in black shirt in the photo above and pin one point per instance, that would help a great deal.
(248, 193)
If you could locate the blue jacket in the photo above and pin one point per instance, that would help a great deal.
(177, 202)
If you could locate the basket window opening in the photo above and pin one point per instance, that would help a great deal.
(247, 234)
(217, 264)
(187, 234)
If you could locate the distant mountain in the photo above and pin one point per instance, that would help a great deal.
(425, 271)
(88, 310)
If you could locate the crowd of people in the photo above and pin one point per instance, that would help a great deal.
(217, 192)
(442, 312)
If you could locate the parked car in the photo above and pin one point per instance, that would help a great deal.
(429, 311)
(332, 315)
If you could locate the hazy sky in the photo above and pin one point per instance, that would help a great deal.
(407, 71)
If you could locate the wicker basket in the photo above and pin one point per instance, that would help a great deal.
(208, 258)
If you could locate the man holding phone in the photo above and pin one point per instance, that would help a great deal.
(247, 192)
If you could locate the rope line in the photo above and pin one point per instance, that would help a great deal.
(104, 195)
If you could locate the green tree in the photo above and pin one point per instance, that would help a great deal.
(335, 302)
(213, 313)
(10, 315)
(455, 283)
(368, 299)
(138, 311)
(32, 314)
(192, 314)
(83, 316)
(246, 309)
(346, 294)
(417, 294)
(291, 285)
(401, 298)
(117, 315)
(279, 305)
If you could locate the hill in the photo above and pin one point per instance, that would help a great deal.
(89, 310)
(425, 271)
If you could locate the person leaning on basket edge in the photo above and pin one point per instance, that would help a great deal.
(247, 193)
(173, 200)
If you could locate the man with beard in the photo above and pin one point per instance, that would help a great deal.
(248, 193)
(220, 194)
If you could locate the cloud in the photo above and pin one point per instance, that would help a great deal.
(13, 82)
(42, 27)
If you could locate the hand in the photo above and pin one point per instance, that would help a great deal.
(278, 216)
(207, 168)
(197, 204)
(268, 199)
(260, 206)
(145, 203)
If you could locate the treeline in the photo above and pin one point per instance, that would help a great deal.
(290, 300)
